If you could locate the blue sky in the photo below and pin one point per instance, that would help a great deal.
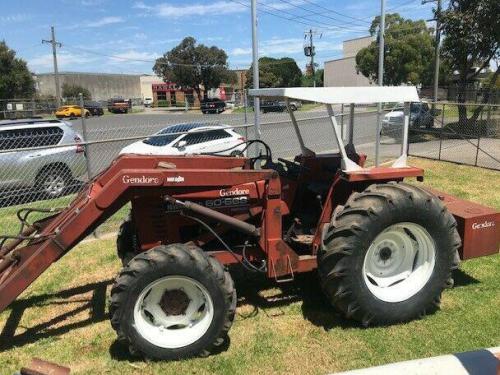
(126, 36)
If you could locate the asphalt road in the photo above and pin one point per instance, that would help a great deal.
(277, 130)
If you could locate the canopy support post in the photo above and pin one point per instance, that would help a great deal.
(351, 124)
(347, 164)
(304, 150)
(402, 161)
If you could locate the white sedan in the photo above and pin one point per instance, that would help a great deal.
(192, 138)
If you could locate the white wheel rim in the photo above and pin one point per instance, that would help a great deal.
(399, 262)
(173, 325)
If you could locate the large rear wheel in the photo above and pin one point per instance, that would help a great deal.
(388, 254)
(173, 302)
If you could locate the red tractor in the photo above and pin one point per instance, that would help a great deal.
(384, 249)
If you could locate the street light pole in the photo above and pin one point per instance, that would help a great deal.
(381, 48)
(56, 71)
(255, 62)
(436, 49)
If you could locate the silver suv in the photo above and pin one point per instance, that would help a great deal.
(33, 158)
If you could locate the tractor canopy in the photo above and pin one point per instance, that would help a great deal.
(348, 95)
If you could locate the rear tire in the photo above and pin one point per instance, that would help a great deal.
(173, 302)
(388, 254)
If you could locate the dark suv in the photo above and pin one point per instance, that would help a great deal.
(214, 105)
(95, 108)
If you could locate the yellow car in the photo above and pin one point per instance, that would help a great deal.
(71, 111)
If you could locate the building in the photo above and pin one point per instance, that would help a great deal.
(147, 81)
(168, 94)
(342, 72)
(102, 86)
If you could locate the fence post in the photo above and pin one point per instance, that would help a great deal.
(479, 137)
(84, 134)
(441, 132)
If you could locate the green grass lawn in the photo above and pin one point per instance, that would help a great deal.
(278, 329)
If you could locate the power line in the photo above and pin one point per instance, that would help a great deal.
(293, 18)
(333, 11)
(306, 17)
(322, 14)
(84, 50)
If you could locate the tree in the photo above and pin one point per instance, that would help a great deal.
(409, 52)
(16, 81)
(72, 91)
(471, 31)
(195, 66)
(307, 80)
(283, 72)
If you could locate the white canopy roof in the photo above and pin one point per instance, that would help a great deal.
(344, 95)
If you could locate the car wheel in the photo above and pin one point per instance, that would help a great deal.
(53, 181)
(87, 115)
(293, 107)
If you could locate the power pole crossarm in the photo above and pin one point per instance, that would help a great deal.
(55, 44)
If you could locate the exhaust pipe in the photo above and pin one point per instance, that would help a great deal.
(239, 225)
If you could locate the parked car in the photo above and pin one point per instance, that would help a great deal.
(119, 105)
(198, 138)
(52, 172)
(95, 108)
(148, 102)
(71, 111)
(278, 106)
(420, 116)
(212, 105)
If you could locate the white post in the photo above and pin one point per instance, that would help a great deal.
(380, 79)
(347, 164)
(402, 161)
(255, 62)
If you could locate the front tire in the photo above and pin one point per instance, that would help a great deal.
(127, 243)
(388, 254)
(173, 302)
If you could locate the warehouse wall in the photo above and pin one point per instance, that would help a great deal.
(101, 86)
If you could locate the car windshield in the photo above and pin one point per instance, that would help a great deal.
(169, 134)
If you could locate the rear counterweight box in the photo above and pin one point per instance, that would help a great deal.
(478, 225)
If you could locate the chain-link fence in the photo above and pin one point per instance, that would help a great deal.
(43, 162)
(460, 133)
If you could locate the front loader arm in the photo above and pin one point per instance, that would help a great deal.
(127, 176)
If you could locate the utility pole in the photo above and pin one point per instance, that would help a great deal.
(381, 50)
(56, 72)
(255, 62)
(310, 51)
(436, 49)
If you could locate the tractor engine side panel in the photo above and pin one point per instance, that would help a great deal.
(160, 222)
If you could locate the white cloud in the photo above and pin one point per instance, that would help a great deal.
(65, 60)
(105, 21)
(241, 51)
(133, 57)
(177, 11)
(294, 46)
(15, 18)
